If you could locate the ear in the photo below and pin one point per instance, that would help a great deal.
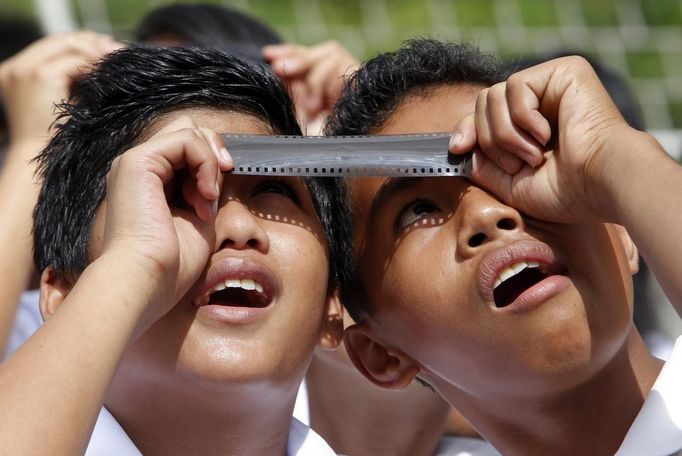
(629, 247)
(53, 290)
(385, 367)
(331, 333)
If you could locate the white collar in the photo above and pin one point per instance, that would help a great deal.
(303, 441)
(109, 439)
(657, 430)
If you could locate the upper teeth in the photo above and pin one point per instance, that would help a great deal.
(514, 269)
(246, 284)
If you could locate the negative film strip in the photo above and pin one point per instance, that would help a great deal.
(380, 155)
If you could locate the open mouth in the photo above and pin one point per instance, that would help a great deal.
(516, 279)
(236, 293)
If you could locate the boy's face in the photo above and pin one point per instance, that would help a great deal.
(429, 251)
(268, 237)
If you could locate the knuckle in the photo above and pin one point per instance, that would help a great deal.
(115, 163)
(514, 81)
(188, 134)
(577, 60)
(505, 137)
(521, 114)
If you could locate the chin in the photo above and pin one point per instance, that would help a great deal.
(561, 359)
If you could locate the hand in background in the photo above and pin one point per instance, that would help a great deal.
(315, 77)
(39, 77)
(31, 83)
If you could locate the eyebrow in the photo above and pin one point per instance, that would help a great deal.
(388, 190)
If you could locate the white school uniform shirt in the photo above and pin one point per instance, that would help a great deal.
(657, 430)
(109, 439)
(26, 322)
(448, 445)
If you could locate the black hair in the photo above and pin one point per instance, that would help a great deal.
(107, 113)
(615, 84)
(383, 82)
(376, 90)
(15, 34)
(208, 26)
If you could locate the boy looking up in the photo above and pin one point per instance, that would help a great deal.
(510, 293)
(186, 301)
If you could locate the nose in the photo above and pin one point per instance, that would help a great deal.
(238, 228)
(484, 220)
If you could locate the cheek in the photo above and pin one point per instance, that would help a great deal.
(302, 264)
(423, 296)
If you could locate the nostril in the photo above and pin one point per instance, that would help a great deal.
(506, 224)
(253, 243)
(477, 239)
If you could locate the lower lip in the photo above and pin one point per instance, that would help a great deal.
(537, 294)
(235, 315)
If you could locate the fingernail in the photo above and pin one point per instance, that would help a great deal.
(214, 207)
(456, 140)
(225, 155)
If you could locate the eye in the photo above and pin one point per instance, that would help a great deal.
(279, 188)
(415, 211)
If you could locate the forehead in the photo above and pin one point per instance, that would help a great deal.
(221, 121)
(431, 110)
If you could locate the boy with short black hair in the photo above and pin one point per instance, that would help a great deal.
(510, 293)
(186, 301)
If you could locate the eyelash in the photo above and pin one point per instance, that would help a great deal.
(283, 186)
(400, 220)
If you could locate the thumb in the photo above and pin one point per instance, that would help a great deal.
(463, 137)
(486, 174)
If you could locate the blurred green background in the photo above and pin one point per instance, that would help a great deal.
(641, 39)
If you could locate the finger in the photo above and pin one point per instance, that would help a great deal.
(204, 209)
(295, 64)
(298, 90)
(505, 134)
(323, 79)
(502, 158)
(223, 158)
(66, 69)
(315, 126)
(275, 51)
(206, 171)
(89, 44)
(524, 104)
(488, 175)
(218, 146)
(185, 148)
(463, 137)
